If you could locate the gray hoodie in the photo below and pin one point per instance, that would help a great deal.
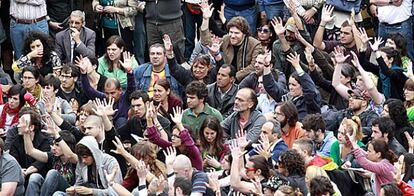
(103, 161)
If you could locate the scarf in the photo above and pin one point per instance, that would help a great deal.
(8, 110)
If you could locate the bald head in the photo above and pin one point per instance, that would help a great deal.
(182, 162)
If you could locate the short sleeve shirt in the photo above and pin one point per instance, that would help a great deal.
(10, 171)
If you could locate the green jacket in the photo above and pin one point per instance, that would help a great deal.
(335, 152)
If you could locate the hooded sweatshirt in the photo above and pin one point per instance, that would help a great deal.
(103, 162)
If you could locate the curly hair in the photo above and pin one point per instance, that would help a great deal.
(293, 162)
(320, 185)
(48, 45)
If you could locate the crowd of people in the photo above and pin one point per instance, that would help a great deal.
(232, 97)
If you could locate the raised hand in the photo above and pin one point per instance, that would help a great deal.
(52, 128)
(104, 107)
(48, 104)
(215, 45)
(110, 175)
(309, 58)
(211, 161)
(355, 60)
(119, 147)
(377, 42)
(308, 16)
(83, 63)
(294, 59)
(264, 141)
(235, 149)
(278, 26)
(170, 153)
(178, 115)
(410, 142)
(128, 59)
(258, 186)
(292, 7)
(363, 36)
(339, 55)
(206, 9)
(409, 72)
(241, 139)
(213, 182)
(327, 17)
(142, 170)
(167, 44)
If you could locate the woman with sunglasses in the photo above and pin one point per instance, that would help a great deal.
(265, 35)
(201, 68)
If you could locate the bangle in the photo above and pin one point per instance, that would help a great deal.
(142, 187)
(323, 26)
(57, 140)
(170, 175)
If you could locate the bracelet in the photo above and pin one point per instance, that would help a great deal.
(170, 175)
(57, 140)
(142, 187)
(323, 26)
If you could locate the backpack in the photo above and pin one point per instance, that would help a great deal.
(346, 5)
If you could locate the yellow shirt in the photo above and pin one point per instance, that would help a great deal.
(155, 76)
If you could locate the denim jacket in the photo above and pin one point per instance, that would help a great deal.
(142, 76)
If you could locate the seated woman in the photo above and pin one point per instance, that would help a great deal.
(340, 150)
(96, 80)
(39, 53)
(265, 34)
(379, 159)
(31, 81)
(10, 110)
(110, 65)
(212, 145)
(165, 99)
(201, 68)
(409, 99)
(180, 138)
(145, 151)
(398, 42)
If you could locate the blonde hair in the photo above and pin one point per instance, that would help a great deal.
(313, 171)
(353, 124)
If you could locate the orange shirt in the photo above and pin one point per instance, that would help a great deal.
(293, 134)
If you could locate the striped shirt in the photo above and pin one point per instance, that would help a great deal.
(28, 9)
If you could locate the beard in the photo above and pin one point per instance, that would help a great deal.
(283, 123)
(290, 39)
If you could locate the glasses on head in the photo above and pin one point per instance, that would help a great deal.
(263, 30)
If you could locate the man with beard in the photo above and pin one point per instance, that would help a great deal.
(137, 122)
(287, 114)
(221, 94)
(147, 74)
(198, 109)
(314, 125)
(292, 38)
(245, 116)
(238, 47)
(358, 106)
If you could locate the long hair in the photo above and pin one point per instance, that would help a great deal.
(409, 167)
(379, 145)
(397, 112)
(216, 147)
(146, 150)
(48, 45)
(409, 85)
(392, 53)
(353, 125)
(119, 42)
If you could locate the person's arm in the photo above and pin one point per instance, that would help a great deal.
(375, 167)
(33, 152)
(154, 136)
(66, 151)
(120, 190)
(8, 188)
(89, 90)
(280, 32)
(205, 36)
(235, 175)
(192, 151)
(369, 84)
(326, 17)
(182, 75)
(121, 150)
(253, 133)
(67, 113)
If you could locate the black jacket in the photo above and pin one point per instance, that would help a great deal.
(225, 105)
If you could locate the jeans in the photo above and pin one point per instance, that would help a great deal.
(274, 10)
(190, 20)
(249, 14)
(19, 32)
(139, 38)
(46, 186)
(405, 29)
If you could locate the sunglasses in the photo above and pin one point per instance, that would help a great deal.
(263, 30)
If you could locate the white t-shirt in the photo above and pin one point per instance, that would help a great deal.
(392, 14)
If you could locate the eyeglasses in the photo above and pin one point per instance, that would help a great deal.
(250, 169)
(263, 30)
(65, 76)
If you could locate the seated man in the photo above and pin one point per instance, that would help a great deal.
(287, 115)
(70, 88)
(137, 123)
(12, 182)
(77, 40)
(272, 131)
(221, 94)
(198, 109)
(51, 103)
(315, 128)
(91, 170)
(245, 116)
(384, 127)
